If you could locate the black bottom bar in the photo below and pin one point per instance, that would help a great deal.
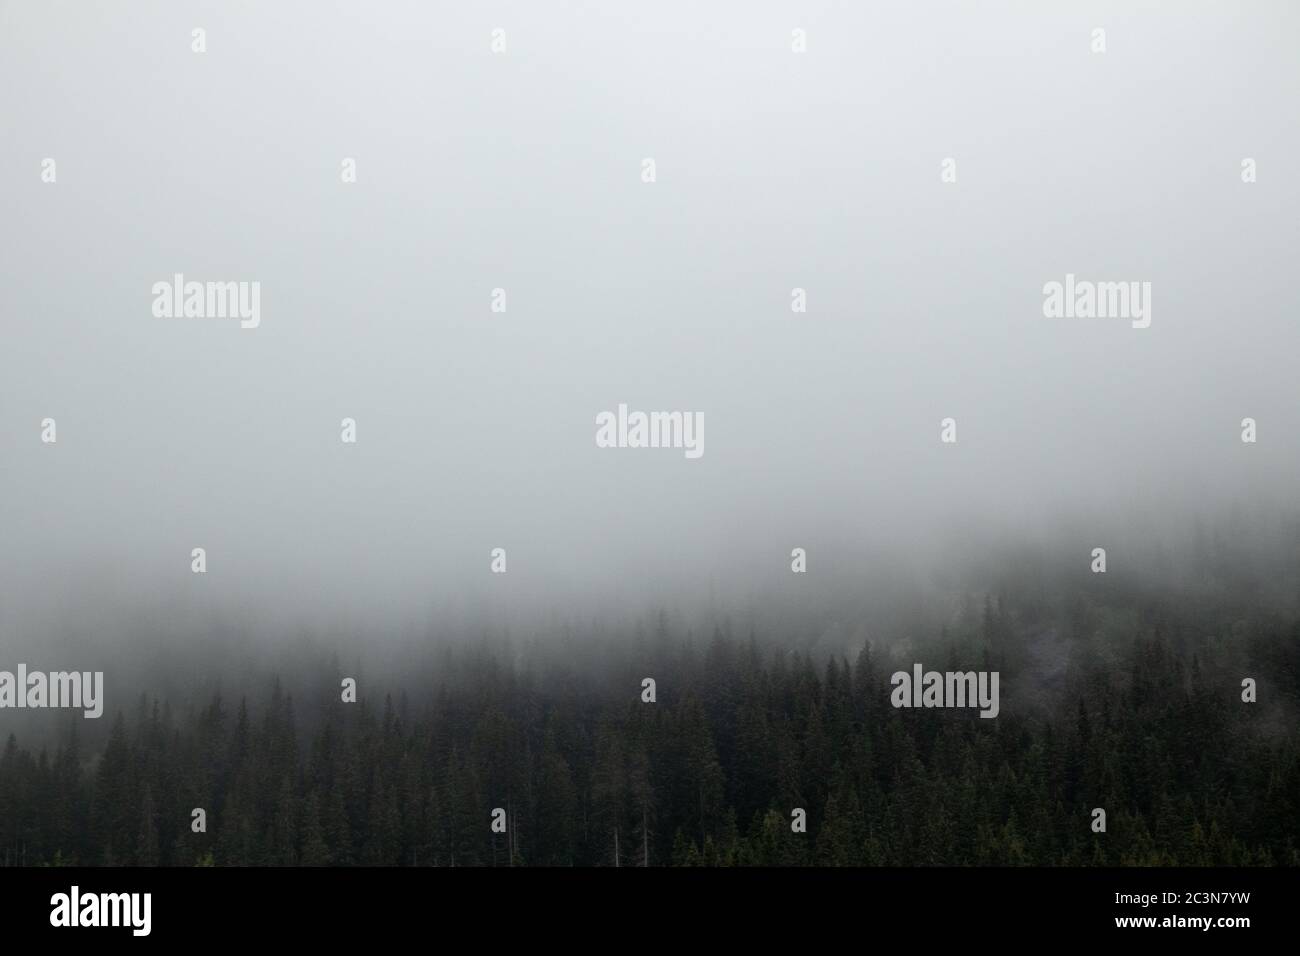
(669, 906)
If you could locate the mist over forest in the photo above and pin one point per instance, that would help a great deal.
(841, 251)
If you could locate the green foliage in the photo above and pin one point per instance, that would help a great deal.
(1126, 708)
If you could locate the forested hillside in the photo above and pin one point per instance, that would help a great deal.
(1135, 710)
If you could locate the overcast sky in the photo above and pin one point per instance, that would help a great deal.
(523, 170)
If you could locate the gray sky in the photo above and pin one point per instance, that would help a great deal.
(775, 170)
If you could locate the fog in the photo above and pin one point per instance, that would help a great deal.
(523, 171)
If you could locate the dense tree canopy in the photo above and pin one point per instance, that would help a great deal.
(1134, 710)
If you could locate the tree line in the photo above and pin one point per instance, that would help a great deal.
(1134, 709)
